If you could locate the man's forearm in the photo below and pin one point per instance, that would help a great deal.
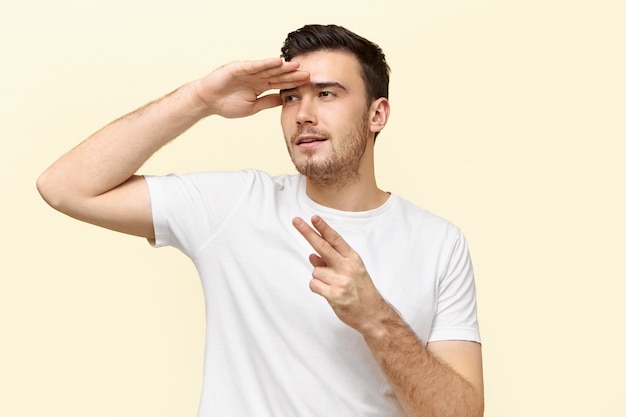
(112, 155)
(424, 385)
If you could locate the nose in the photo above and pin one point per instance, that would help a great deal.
(307, 113)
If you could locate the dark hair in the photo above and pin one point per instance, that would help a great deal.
(311, 38)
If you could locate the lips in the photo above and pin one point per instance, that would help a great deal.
(304, 139)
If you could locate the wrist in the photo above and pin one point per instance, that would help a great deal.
(200, 106)
(381, 323)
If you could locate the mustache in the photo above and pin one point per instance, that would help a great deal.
(309, 130)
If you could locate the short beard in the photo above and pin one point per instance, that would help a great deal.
(342, 167)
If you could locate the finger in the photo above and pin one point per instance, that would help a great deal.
(319, 288)
(284, 68)
(270, 67)
(319, 283)
(321, 246)
(289, 80)
(331, 236)
(259, 65)
(316, 261)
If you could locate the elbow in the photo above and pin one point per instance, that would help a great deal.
(480, 412)
(479, 407)
(44, 188)
(476, 404)
(50, 190)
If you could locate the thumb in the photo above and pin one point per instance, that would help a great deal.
(267, 102)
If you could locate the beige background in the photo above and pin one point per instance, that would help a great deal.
(508, 118)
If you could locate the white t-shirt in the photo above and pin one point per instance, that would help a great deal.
(273, 347)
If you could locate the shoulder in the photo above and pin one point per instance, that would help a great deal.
(415, 216)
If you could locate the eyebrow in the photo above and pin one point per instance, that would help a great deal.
(316, 86)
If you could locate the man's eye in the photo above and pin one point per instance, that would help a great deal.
(287, 99)
(326, 94)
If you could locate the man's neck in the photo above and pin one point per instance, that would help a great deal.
(360, 195)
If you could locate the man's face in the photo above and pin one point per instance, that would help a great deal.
(325, 123)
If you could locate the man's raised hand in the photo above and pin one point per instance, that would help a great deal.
(235, 89)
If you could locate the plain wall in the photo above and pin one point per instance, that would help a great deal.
(508, 119)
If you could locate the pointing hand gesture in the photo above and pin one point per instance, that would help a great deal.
(234, 90)
(339, 276)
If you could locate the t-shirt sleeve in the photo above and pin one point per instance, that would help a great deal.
(456, 317)
(188, 209)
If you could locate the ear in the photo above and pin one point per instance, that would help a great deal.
(379, 114)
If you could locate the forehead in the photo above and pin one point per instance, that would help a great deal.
(331, 66)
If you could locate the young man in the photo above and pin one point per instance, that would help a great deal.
(394, 332)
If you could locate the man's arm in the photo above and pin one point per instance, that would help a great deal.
(96, 182)
(442, 379)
